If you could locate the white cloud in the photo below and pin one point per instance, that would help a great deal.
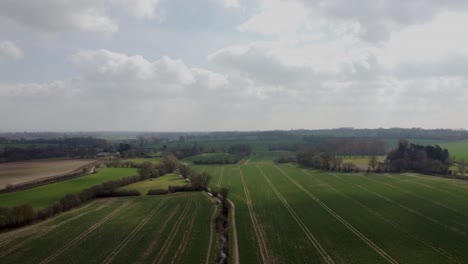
(8, 50)
(229, 3)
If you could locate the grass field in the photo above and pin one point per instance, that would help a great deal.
(141, 160)
(294, 215)
(459, 149)
(361, 161)
(148, 229)
(42, 196)
(21, 172)
(156, 184)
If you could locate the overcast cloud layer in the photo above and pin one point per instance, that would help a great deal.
(165, 65)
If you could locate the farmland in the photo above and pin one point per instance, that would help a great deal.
(42, 196)
(21, 172)
(156, 184)
(459, 149)
(295, 215)
(158, 229)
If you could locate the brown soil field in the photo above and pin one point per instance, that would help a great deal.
(22, 172)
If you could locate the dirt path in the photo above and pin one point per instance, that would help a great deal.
(116, 251)
(258, 231)
(235, 245)
(85, 233)
(326, 257)
(366, 240)
(154, 243)
(187, 234)
(396, 225)
(170, 239)
(212, 230)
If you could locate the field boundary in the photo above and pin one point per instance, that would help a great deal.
(369, 242)
(220, 178)
(258, 232)
(86, 233)
(117, 250)
(323, 253)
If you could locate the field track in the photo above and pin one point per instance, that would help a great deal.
(169, 240)
(234, 240)
(114, 253)
(155, 242)
(86, 233)
(258, 231)
(212, 230)
(396, 225)
(416, 212)
(48, 229)
(301, 224)
(369, 242)
(187, 233)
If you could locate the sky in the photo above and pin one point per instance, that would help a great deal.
(213, 65)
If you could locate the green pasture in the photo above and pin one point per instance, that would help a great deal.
(156, 184)
(42, 196)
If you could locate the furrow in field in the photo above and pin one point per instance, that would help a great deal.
(383, 218)
(114, 253)
(256, 226)
(417, 196)
(187, 234)
(46, 230)
(86, 233)
(326, 257)
(154, 243)
(175, 229)
(220, 178)
(212, 229)
(413, 211)
(369, 242)
(427, 186)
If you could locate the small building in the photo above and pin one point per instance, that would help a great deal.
(108, 155)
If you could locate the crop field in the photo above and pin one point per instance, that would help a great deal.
(156, 184)
(42, 196)
(148, 229)
(288, 214)
(21, 172)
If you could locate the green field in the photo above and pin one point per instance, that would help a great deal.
(141, 160)
(361, 161)
(156, 184)
(459, 149)
(148, 229)
(42, 196)
(294, 215)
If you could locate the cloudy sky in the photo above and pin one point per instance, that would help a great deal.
(166, 65)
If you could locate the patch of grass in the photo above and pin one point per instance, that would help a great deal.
(141, 160)
(156, 184)
(459, 149)
(361, 161)
(43, 196)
